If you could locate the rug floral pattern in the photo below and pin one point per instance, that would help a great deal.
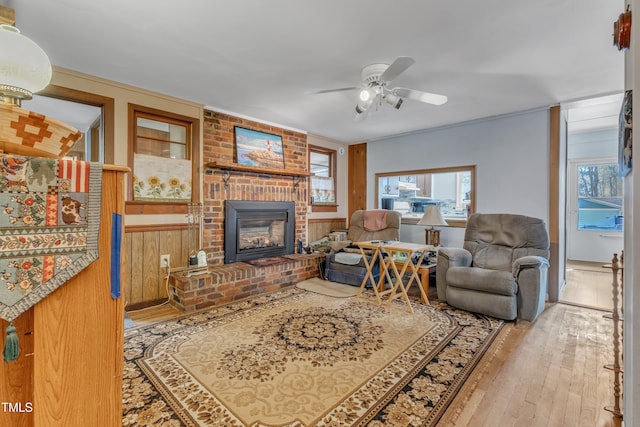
(295, 356)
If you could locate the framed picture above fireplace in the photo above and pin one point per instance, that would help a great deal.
(255, 148)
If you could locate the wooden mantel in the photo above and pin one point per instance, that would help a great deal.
(254, 169)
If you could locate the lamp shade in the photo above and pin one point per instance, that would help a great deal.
(24, 67)
(26, 133)
(432, 217)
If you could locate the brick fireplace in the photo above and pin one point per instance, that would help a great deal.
(222, 183)
(218, 148)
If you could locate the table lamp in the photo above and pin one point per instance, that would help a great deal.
(432, 217)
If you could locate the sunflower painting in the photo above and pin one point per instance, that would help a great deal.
(158, 179)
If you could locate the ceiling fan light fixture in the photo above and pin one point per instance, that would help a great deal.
(24, 66)
(365, 95)
(363, 106)
(394, 101)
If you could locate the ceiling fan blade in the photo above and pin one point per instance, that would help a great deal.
(396, 68)
(416, 95)
(342, 89)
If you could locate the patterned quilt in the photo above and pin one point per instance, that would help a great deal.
(49, 223)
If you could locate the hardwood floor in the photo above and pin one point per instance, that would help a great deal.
(151, 315)
(589, 285)
(546, 373)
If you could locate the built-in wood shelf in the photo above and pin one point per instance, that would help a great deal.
(254, 169)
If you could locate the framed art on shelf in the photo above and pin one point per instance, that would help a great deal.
(255, 148)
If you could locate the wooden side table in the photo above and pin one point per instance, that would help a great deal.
(424, 270)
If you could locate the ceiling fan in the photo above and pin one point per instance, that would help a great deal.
(374, 90)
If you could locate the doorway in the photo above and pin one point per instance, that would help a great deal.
(594, 208)
(87, 118)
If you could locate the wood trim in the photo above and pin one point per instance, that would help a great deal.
(154, 208)
(235, 167)
(324, 208)
(428, 170)
(357, 179)
(145, 304)
(116, 168)
(108, 112)
(333, 167)
(144, 208)
(162, 227)
(455, 223)
(325, 220)
(555, 169)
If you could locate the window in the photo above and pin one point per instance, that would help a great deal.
(322, 193)
(599, 197)
(410, 192)
(162, 147)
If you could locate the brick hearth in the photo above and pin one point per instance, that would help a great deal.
(232, 282)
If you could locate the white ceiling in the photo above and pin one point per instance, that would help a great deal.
(259, 58)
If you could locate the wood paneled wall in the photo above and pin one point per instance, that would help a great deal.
(142, 277)
(144, 281)
(318, 228)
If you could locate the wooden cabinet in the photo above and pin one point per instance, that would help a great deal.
(69, 372)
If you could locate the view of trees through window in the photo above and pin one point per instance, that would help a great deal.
(599, 197)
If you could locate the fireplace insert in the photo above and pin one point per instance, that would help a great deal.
(257, 229)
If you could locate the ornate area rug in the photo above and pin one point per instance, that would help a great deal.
(298, 358)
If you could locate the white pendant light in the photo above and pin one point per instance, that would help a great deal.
(24, 67)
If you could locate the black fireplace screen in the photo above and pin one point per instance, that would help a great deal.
(256, 229)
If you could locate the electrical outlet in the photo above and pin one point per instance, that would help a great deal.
(165, 260)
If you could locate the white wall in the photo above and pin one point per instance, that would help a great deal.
(511, 154)
(595, 144)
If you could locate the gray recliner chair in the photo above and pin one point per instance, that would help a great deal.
(344, 264)
(502, 269)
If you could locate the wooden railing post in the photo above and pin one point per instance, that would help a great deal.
(616, 367)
